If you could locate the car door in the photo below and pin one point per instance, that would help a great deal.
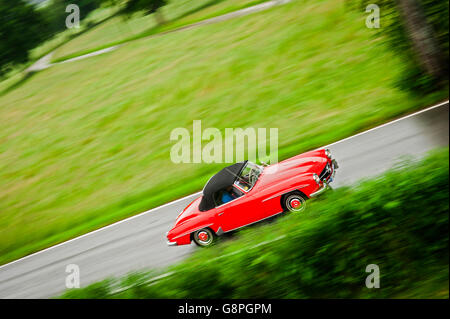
(237, 213)
(269, 202)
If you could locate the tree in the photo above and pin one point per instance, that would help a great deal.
(423, 40)
(86, 6)
(418, 31)
(55, 13)
(148, 6)
(20, 31)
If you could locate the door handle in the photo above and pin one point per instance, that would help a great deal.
(220, 214)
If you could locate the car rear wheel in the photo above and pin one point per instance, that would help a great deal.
(204, 237)
(294, 202)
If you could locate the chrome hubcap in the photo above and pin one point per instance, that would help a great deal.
(204, 238)
(295, 203)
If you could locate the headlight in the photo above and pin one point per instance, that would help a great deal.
(328, 153)
(316, 178)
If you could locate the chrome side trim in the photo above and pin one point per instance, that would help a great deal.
(284, 192)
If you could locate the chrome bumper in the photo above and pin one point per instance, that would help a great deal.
(325, 185)
(171, 243)
(320, 190)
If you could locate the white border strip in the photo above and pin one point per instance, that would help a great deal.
(198, 193)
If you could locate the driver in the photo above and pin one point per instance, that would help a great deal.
(228, 195)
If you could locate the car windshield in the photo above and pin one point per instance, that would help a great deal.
(248, 176)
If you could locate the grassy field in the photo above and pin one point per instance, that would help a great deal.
(117, 30)
(87, 143)
(402, 227)
(104, 27)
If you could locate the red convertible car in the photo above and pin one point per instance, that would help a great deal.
(245, 193)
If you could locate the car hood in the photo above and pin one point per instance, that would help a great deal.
(292, 167)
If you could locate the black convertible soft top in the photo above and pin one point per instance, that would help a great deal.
(221, 180)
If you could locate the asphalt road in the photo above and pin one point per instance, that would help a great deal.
(139, 242)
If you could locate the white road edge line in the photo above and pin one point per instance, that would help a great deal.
(100, 229)
(198, 193)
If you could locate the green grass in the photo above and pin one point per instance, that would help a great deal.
(104, 27)
(119, 30)
(398, 221)
(87, 143)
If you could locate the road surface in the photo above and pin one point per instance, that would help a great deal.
(139, 242)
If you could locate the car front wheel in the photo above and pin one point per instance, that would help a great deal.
(204, 237)
(295, 202)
